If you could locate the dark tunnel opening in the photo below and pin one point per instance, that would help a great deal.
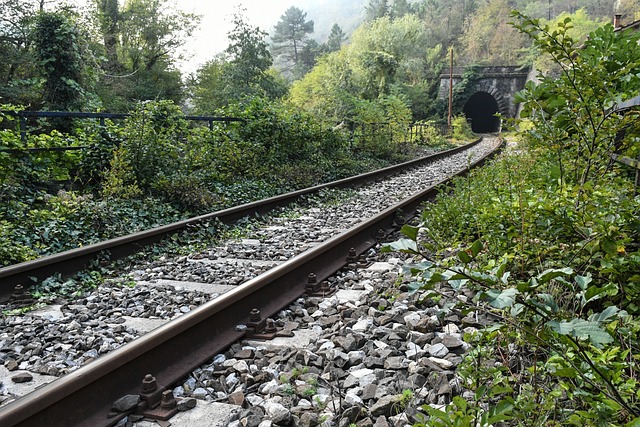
(480, 110)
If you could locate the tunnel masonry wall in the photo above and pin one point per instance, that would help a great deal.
(500, 82)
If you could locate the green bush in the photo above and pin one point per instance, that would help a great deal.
(562, 281)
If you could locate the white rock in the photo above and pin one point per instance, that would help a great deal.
(380, 344)
(353, 399)
(241, 366)
(327, 346)
(276, 411)
(438, 350)
(368, 379)
(451, 329)
(359, 373)
(269, 387)
(362, 325)
(320, 400)
(229, 363)
(254, 399)
(305, 404)
(412, 319)
(413, 350)
(443, 363)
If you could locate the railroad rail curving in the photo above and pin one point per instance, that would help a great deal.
(84, 397)
(68, 262)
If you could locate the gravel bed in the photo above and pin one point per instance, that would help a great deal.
(286, 237)
(373, 360)
(57, 342)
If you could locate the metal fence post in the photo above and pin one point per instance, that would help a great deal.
(23, 128)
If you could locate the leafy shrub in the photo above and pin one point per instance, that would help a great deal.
(563, 280)
(95, 161)
(461, 129)
(14, 245)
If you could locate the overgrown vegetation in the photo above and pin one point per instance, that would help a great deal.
(546, 239)
(157, 168)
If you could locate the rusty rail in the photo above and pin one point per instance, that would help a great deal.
(84, 397)
(69, 262)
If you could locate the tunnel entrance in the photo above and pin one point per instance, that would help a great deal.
(480, 110)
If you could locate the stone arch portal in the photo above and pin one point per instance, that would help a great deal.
(493, 91)
(480, 110)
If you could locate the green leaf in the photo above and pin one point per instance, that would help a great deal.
(591, 330)
(633, 423)
(606, 314)
(594, 293)
(460, 403)
(433, 412)
(548, 302)
(457, 284)
(417, 267)
(476, 248)
(516, 310)
(608, 246)
(548, 275)
(464, 257)
(583, 281)
(414, 287)
(566, 373)
(410, 231)
(402, 245)
(500, 412)
(562, 328)
(497, 390)
(501, 299)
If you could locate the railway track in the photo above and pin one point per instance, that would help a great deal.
(278, 277)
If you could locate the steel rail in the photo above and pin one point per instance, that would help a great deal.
(170, 352)
(68, 262)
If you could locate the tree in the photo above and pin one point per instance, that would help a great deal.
(581, 26)
(109, 16)
(16, 58)
(206, 87)
(489, 39)
(385, 53)
(59, 53)
(574, 109)
(446, 20)
(401, 8)
(308, 55)
(290, 34)
(248, 52)
(357, 82)
(376, 9)
(142, 39)
(335, 39)
(241, 72)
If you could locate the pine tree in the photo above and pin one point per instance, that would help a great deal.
(291, 33)
(335, 39)
(376, 9)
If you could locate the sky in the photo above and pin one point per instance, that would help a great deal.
(211, 36)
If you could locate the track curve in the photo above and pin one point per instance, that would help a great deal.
(87, 393)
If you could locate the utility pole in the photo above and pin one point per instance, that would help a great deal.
(450, 87)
